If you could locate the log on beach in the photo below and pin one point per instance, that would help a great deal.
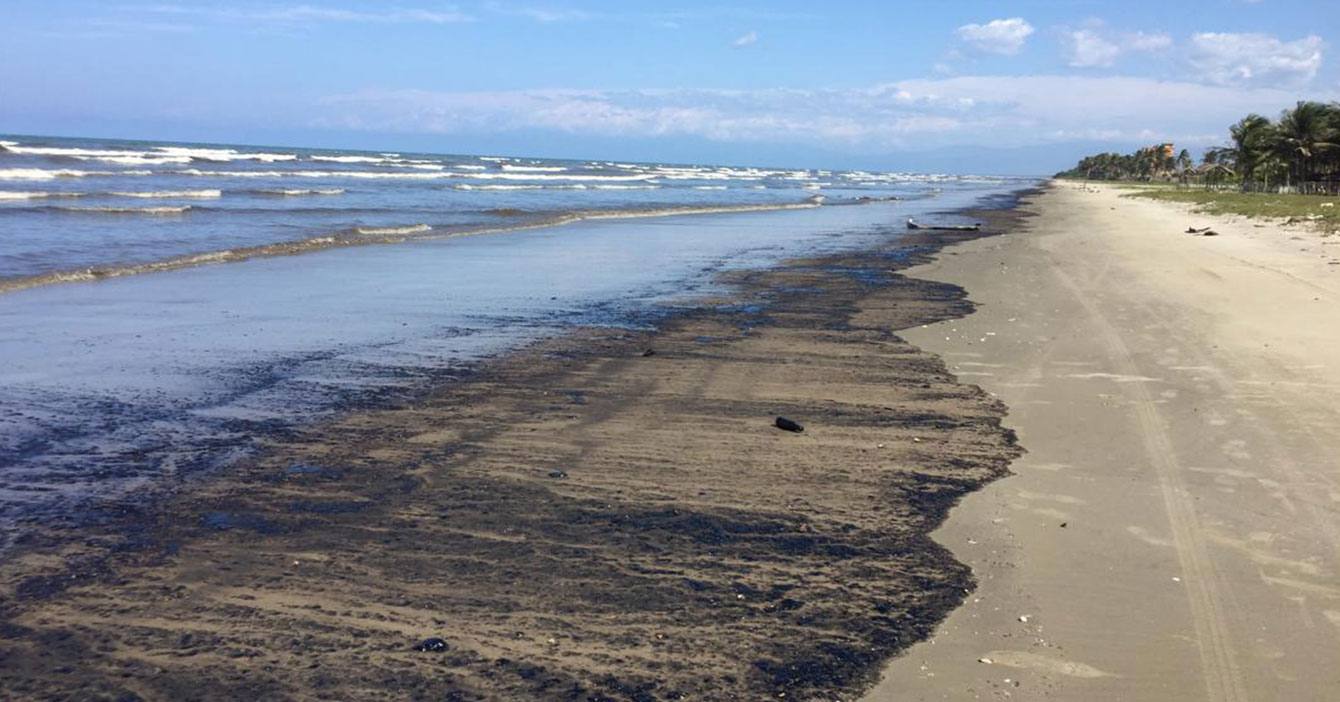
(913, 224)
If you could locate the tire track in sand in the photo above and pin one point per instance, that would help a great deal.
(1223, 678)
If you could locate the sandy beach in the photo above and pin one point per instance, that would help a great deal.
(612, 516)
(1173, 532)
(697, 352)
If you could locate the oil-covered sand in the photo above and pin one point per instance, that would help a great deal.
(608, 516)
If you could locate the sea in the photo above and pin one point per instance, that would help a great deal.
(165, 305)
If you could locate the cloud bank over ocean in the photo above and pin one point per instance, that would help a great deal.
(1017, 111)
(778, 80)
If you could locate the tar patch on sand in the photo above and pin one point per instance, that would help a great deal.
(579, 521)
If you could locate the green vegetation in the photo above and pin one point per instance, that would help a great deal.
(1303, 208)
(1148, 164)
(1298, 153)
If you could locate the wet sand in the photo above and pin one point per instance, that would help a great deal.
(1173, 532)
(609, 516)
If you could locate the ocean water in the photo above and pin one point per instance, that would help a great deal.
(162, 305)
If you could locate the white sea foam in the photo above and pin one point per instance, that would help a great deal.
(20, 195)
(138, 160)
(627, 187)
(467, 167)
(312, 174)
(130, 210)
(709, 187)
(392, 231)
(403, 175)
(36, 174)
(352, 159)
(158, 156)
(302, 191)
(534, 169)
(169, 193)
(467, 186)
(14, 147)
(223, 155)
(552, 177)
(680, 175)
(378, 174)
(40, 173)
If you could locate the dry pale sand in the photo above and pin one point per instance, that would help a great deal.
(1174, 531)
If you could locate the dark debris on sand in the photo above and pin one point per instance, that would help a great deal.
(581, 521)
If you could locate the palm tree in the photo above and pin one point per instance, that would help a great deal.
(1303, 148)
(1305, 133)
(1220, 155)
(1184, 160)
(1252, 139)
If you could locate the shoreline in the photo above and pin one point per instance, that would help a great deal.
(578, 516)
(368, 237)
(1171, 532)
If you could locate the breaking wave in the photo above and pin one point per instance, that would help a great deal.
(140, 194)
(165, 210)
(295, 192)
(167, 194)
(352, 159)
(467, 186)
(52, 174)
(409, 176)
(25, 195)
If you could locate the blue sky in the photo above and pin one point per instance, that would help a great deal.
(987, 86)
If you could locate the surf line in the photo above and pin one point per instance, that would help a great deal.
(365, 237)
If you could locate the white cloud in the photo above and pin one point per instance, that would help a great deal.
(1255, 59)
(309, 13)
(113, 29)
(541, 14)
(747, 39)
(1140, 41)
(1084, 48)
(1096, 47)
(1002, 36)
(923, 113)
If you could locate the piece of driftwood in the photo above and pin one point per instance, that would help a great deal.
(912, 224)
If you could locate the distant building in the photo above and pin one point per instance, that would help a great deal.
(1168, 150)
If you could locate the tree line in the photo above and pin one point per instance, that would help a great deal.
(1299, 152)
